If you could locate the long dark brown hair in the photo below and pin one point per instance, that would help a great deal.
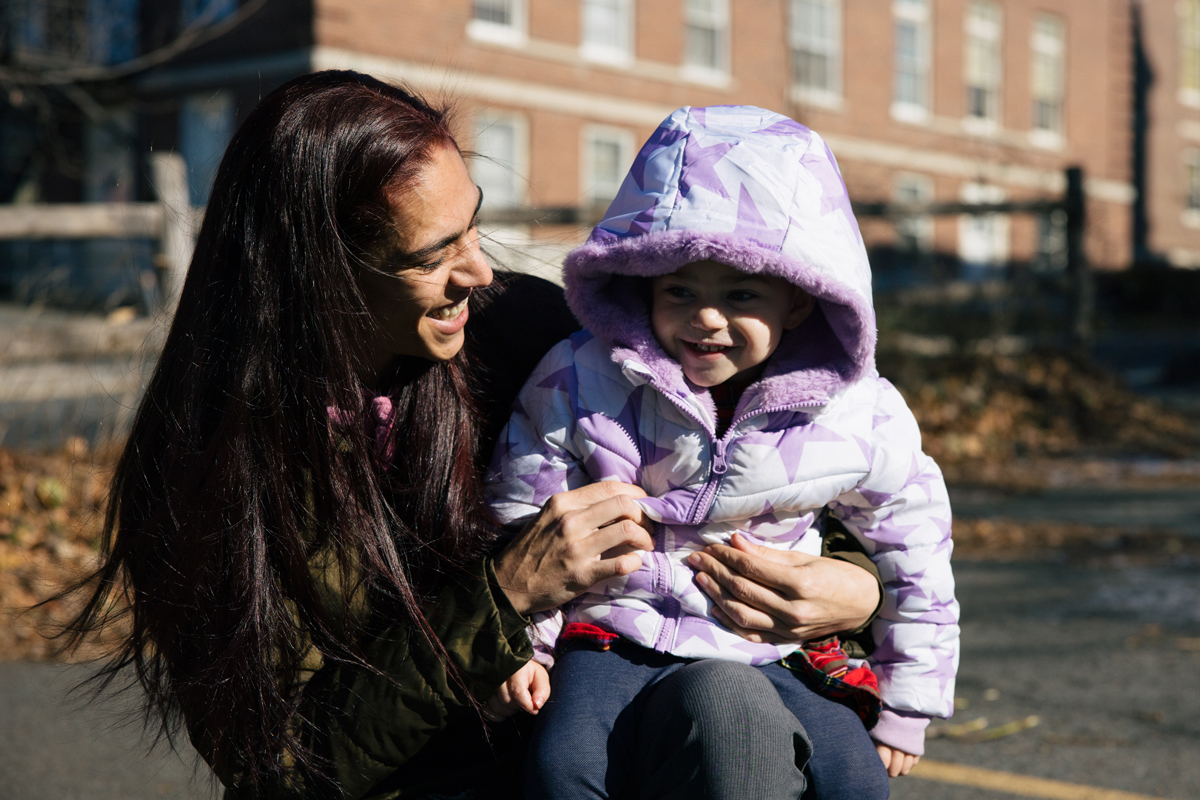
(249, 454)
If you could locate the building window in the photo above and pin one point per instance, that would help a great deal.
(983, 239)
(1191, 176)
(607, 30)
(1189, 52)
(707, 31)
(1049, 50)
(500, 165)
(1051, 242)
(205, 128)
(815, 35)
(982, 67)
(914, 235)
(498, 21)
(607, 154)
(913, 35)
(43, 33)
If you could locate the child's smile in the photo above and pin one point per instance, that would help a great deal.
(719, 323)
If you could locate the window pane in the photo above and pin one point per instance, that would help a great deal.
(982, 66)
(816, 44)
(606, 24)
(910, 73)
(1190, 44)
(499, 12)
(1047, 73)
(495, 169)
(706, 28)
(702, 47)
(1192, 177)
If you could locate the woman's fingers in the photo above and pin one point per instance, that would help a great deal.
(581, 537)
(786, 557)
(776, 570)
(730, 585)
(749, 634)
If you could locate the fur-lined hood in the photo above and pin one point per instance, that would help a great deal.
(757, 191)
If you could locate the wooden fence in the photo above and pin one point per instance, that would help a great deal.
(171, 221)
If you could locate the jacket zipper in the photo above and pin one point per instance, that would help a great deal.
(704, 499)
(670, 617)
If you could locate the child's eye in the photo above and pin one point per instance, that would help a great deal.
(741, 296)
(678, 292)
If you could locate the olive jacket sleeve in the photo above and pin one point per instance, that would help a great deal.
(367, 725)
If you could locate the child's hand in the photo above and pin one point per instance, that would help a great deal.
(527, 690)
(896, 761)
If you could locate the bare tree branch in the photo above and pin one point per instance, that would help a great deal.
(200, 31)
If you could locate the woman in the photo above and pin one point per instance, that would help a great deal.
(296, 521)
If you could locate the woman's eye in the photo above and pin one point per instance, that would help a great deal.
(432, 265)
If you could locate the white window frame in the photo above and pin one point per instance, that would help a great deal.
(1190, 213)
(591, 190)
(1189, 52)
(511, 34)
(913, 188)
(802, 39)
(517, 171)
(990, 234)
(718, 20)
(1048, 48)
(916, 13)
(616, 53)
(983, 64)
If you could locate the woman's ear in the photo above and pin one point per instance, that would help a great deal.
(803, 304)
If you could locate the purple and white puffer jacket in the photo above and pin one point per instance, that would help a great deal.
(820, 431)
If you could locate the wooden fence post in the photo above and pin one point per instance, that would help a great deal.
(169, 173)
(1083, 292)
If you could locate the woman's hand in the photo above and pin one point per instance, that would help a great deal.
(782, 597)
(580, 538)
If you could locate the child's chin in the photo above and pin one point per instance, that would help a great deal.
(706, 380)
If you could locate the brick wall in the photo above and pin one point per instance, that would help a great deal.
(557, 92)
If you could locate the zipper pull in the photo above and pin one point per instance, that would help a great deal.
(720, 465)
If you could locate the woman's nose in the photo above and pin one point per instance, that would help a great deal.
(475, 270)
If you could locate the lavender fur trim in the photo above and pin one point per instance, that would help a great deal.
(902, 730)
(617, 312)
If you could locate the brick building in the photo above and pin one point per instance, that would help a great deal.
(919, 99)
(948, 100)
(1167, 224)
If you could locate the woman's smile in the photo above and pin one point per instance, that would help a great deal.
(451, 313)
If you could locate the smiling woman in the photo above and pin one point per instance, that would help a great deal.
(418, 285)
(296, 519)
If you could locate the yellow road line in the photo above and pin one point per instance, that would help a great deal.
(1022, 785)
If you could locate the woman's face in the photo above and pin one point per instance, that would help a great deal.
(418, 296)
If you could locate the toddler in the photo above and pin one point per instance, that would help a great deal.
(727, 368)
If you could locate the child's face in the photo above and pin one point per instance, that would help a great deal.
(719, 323)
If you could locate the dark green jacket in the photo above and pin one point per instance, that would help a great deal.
(369, 726)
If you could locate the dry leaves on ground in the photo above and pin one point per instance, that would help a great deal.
(51, 514)
(984, 419)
